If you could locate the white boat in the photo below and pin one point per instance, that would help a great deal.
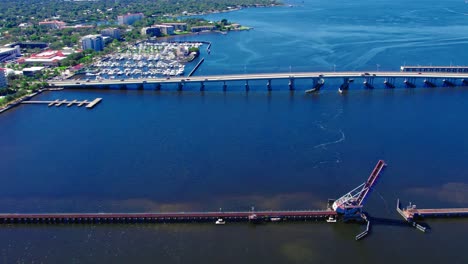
(275, 219)
(331, 219)
(220, 221)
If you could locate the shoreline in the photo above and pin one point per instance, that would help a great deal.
(26, 97)
(224, 11)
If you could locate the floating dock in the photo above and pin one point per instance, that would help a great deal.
(89, 104)
(412, 213)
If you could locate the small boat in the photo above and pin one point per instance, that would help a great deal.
(275, 219)
(220, 221)
(331, 219)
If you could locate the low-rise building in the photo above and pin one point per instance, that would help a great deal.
(177, 26)
(113, 33)
(32, 71)
(151, 31)
(203, 28)
(46, 58)
(129, 19)
(94, 42)
(8, 54)
(3, 78)
(53, 24)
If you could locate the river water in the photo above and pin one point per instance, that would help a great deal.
(168, 151)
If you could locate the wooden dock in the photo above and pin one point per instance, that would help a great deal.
(174, 217)
(58, 103)
(411, 212)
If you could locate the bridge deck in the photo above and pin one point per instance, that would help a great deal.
(259, 76)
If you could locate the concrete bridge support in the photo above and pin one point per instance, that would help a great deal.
(157, 87)
(465, 82)
(409, 83)
(345, 86)
(316, 85)
(180, 86)
(140, 86)
(430, 82)
(123, 87)
(389, 82)
(224, 86)
(291, 84)
(369, 82)
(247, 87)
(202, 86)
(450, 82)
(269, 85)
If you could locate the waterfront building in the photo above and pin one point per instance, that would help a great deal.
(28, 45)
(3, 78)
(7, 54)
(203, 28)
(165, 29)
(32, 71)
(53, 24)
(46, 58)
(177, 26)
(113, 33)
(151, 31)
(94, 42)
(129, 19)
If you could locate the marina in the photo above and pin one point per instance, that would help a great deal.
(145, 60)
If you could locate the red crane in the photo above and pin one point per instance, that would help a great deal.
(350, 204)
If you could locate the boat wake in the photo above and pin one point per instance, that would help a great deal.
(455, 12)
(324, 145)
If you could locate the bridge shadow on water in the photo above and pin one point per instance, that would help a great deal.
(376, 221)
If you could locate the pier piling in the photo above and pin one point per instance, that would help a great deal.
(409, 83)
(389, 82)
(291, 84)
(224, 86)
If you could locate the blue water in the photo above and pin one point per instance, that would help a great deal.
(168, 151)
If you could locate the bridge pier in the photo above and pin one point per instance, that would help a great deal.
(409, 83)
(389, 82)
(202, 86)
(269, 85)
(123, 87)
(247, 87)
(369, 82)
(180, 86)
(430, 82)
(140, 86)
(158, 87)
(464, 82)
(291, 84)
(450, 82)
(345, 86)
(316, 85)
(224, 86)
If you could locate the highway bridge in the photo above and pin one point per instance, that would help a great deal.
(390, 79)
